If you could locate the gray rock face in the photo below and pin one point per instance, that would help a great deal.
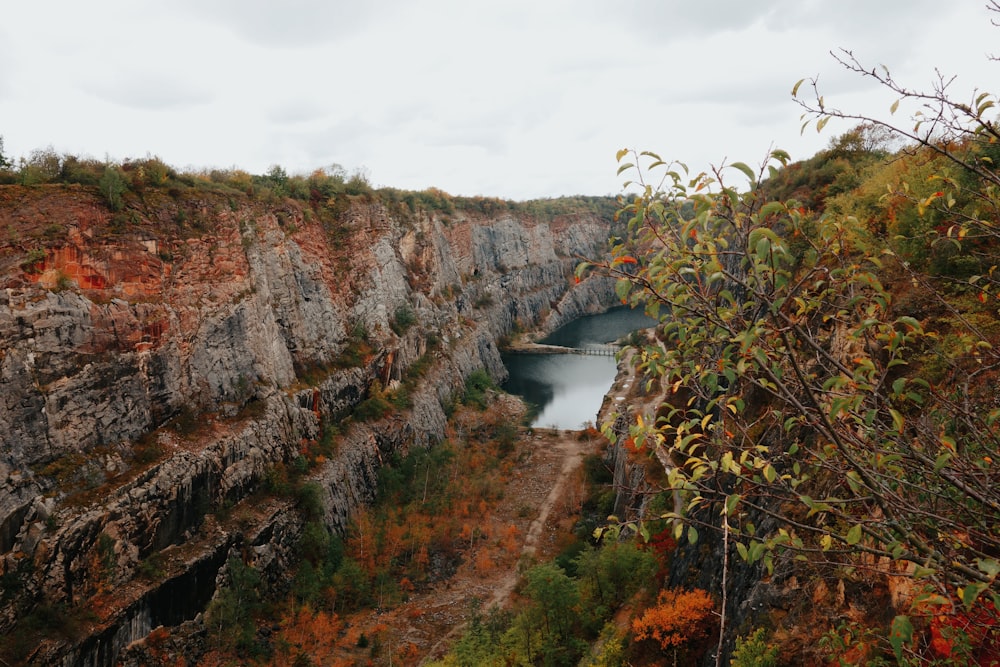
(134, 416)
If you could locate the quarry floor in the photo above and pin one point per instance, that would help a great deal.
(542, 499)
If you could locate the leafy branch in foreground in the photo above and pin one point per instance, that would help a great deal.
(790, 388)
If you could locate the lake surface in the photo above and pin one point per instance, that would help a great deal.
(568, 389)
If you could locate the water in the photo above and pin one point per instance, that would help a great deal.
(599, 329)
(568, 389)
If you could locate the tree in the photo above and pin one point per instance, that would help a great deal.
(42, 166)
(792, 382)
(678, 618)
(113, 186)
(553, 614)
(230, 614)
(5, 162)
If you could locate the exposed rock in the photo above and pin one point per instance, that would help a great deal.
(150, 381)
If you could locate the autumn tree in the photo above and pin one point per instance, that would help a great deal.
(792, 378)
(677, 619)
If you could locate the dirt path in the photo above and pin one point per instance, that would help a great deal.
(571, 448)
(541, 499)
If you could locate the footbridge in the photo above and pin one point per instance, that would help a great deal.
(607, 350)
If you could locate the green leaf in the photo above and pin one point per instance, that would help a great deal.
(911, 323)
(971, 592)
(692, 535)
(853, 535)
(781, 156)
(742, 166)
(731, 502)
(622, 288)
(989, 566)
(854, 481)
(897, 420)
(771, 208)
(900, 634)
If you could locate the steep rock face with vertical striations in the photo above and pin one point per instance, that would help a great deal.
(161, 365)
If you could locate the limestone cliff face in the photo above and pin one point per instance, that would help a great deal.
(157, 365)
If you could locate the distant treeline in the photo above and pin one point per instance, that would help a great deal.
(115, 179)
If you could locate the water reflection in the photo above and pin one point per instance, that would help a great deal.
(567, 389)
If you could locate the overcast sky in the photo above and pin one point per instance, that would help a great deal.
(514, 98)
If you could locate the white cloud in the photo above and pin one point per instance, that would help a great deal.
(291, 23)
(150, 91)
(515, 98)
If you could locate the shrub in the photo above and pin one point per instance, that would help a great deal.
(113, 186)
(373, 407)
(357, 349)
(403, 319)
(34, 256)
(754, 651)
(309, 498)
(152, 568)
(476, 386)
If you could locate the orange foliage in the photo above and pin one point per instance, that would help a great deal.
(312, 633)
(409, 653)
(484, 563)
(421, 559)
(510, 541)
(468, 533)
(980, 627)
(678, 618)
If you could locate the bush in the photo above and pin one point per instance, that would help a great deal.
(476, 386)
(374, 407)
(309, 499)
(113, 186)
(153, 568)
(754, 651)
(403, 319)
(357, 349)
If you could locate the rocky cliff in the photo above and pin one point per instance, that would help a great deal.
(162, 367)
